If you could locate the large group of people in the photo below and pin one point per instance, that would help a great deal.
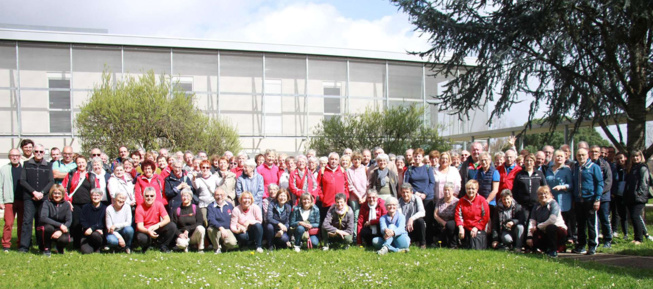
(538, 202)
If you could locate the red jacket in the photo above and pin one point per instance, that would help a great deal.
(332, 182)
(296, 184)
(507, 180)
(238, 171)
(470, 214)
(364, 216)
(155, 182)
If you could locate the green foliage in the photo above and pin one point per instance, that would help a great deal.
(535, 142)
(150, 113)
(395, 130)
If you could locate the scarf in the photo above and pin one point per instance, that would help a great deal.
(382, 174)
(372, 216)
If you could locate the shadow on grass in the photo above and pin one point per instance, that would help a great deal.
(636, 252)
(637, 273)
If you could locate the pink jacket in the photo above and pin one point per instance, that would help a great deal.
(357, 182)
(270, 176)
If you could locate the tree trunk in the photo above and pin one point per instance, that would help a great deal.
(636, 125)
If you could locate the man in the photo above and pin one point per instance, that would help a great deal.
(367, 158)
(60, 169)
(508, 171)
(348, 152)
(589, 187)
(413, 208)
(470, 166)
(241, 159)
(408, 156)
(338, 224)
(548, 152)
(11, 198)
(332, 180)
(567, 149)
(604, 209)
(219, 219)
(123, 151)
(163, 152)
(540, 161)
(55, 154)
(96, 153)
(175, 182)
(368, 218)
(27, 146)
(611, 155)
(36, 179)
(311, 153)
(153, 223)
(202, 155)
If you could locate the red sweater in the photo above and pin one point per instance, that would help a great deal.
(470, 214)
(364, 216)
(507, 180)
(331, 183)
(155, 182)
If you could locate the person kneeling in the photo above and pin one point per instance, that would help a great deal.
(119, 223)
(338, 226)
(508, 226)
(246, 222)
(56, 217)
(546, 229)
(305, 219)
(153, 223)
(218, 216)
(189, 223)
(472, 215)
(92, 221)
(393, 227)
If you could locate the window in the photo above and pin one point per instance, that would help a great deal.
(183, 83)
(331, 100)
(59, 102)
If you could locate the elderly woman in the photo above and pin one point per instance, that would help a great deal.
(284, 178)
(559, 178)
(102, 178)
(400, 163)
(149, 180)
(118, 219)
(246, 221)
(205, 184)
(488, 178)
(422, 179)
(445, 174)
(393, 229)
(251, 181)
(526, 184)
(301, 180)
(546, 229)
(305, 219)
(368, 218)
(78, 184)
(636, 193)
(228, 179)
(444, 215)
(499, 159)
(273, 190)
(92, 221)
(508, 225)
(382, 179)
(472, 215)
(358, 182)
(121, 182)
(189, 223)
(56, 218)
(130, 172)
(278, 221)
(313, 165)
(338, 226)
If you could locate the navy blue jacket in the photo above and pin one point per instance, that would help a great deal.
(219, 218)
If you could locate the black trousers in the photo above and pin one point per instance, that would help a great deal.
(367, 236)
(550, 239)
(587, 221)
(92, 243)
(429, 219)
(418, 235)
(166, 235)
(619, 214)
(46, 232)
(31, 218)
(76, 226)
(638, 222)
(477, 243)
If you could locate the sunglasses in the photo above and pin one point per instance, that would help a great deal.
(39, 152)
(207, 168)
(95, 155)
(234, 163)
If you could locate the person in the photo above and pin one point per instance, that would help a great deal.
(92, 221)
(382, 179)
(162, 163)
(205, 184)
(284, 174)
(434, 159)
(55, 154)
(153, 223)
(338, 225)
(219, 219)
(332, 180)
(618, 208)
(123, 153)
(546, 229)
(560, 180)
(400, 163)
(175, 183)
(444, 214)
(588, 182)
(393, 229)
(508, 225)
(422, 179)
(408, 156)
(508, 171)
(27, 147)
(367, 159)
(368, 218)
(358, 183)
(636, 193)
(548, 155)
(488, 179)
(445, 174)
(305, 219)
(269, 171)
(527, 181)
(189, 222)
(188, 161)
(60, 169)
(102, 177)
(55, 219)
(149, 180)
(228, 179)
(78, 184)
(470, 166)
(251, 181)
(472, 215)
(36, 179)
(240, 164)
(313, 166)
(604, 209)
(540, 161)
(273, 189)
(121, 182)
(260, 159)
(246, 221)
(455, 160)
(302, 181)
(278, 221)
(345, 162)
(11, 197)
(118, 221)
(413, 209)
(130, 172)
(499, 159)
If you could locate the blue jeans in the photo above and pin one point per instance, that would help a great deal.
(394, 244)
(127, 234)
(298, 237)
(254, 233)
(604, 219)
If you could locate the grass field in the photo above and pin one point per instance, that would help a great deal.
(356, 267)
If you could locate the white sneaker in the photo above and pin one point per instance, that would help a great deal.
(615, 234)
(297, 249)
(218, 251)
(186, 250)
(650, 238)
(325, 248)
(259, 250)
(382, 251)
(404, 250)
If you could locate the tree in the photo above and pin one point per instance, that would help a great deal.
(394, 130)
(148, 113)
(535, 142)
(582, 59)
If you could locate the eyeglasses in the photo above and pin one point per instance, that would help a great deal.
(206, 168)
(39, 152)
(149, 197)
(14, 156)
(234, 163)
(95, 155)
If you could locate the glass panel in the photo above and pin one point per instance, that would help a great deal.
(241, 73)
(332, 105)
(8, 64)
(245, 123)
(138, 61)
(405, 81)
(8, 112)
(60, 122)
(38, 61)
(367, 79)
(60, 99)
(326, 70)
(358, 105)
(201, 66)
(434, 85)
(87, 58)
(290, 70)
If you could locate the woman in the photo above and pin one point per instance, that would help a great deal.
(78, 184)
(189, 223)
(358, 183)
(393, 229)
(546, 229)
(149, 180)
(273, 190)
(305, 219)
(102, 178)
(508, 226)
(130, 172)
(368, 218)
(636, 193)
(260, 159)
(434, 159)
(301, 180)
(284, 177)
(526, 184)
(422, 179)
(228, 179)
(499, 159)
(92, 221)
(121, 182)
(400, 163)
(472, 215)
(338, 225)
(278, 221)
(246, 221)
(205, 184)
(345, 161)
(269, 171)
(444, 215)
(445, 174)
(619, 210)
(251, 181)
(488, 179)
(56, 218)
(382, 179)
(559, 177)
(118, 219)
(215, 164)
(312, 166)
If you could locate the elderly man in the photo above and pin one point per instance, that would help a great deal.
(508, 171)
(36, 179)
(604, 210)
(332, 180)
(164, 152)
(589, 183)
(408, 155)
(60, 169)
(153, 223)
(123, 151)
(11, 198)
(367, 158)
(470, 166)
(368, 218)
(540, 161)
(413, 209)
(219, 219)
(548, 154)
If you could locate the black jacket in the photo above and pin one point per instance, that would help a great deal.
(56, 214)
(637, 184)
(36, 177)
(504, 215)
(173, 194)
(525, 187)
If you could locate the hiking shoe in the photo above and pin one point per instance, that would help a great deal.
(607, 245)
(579, 250)
(382, 251)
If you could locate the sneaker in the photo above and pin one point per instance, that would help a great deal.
(297, 249)
(404, 250)
(22, 250)
(553, 254)
(6, 250)
(649, 237)
(185, 250)
(164, 249)
(47, 253)
(591, 252)
(259, 250)
(128, 251)
(579, 250)
(615, 234)
(607, 245)
(325, 248)
(382, 251)
(218, 251)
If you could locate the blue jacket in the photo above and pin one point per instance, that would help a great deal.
(219, 218)
(274, 216)
(313, 217)
(398, 224)
(588, 182)
(253, 185)
(563, 176)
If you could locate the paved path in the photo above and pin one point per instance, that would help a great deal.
(640, 262)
